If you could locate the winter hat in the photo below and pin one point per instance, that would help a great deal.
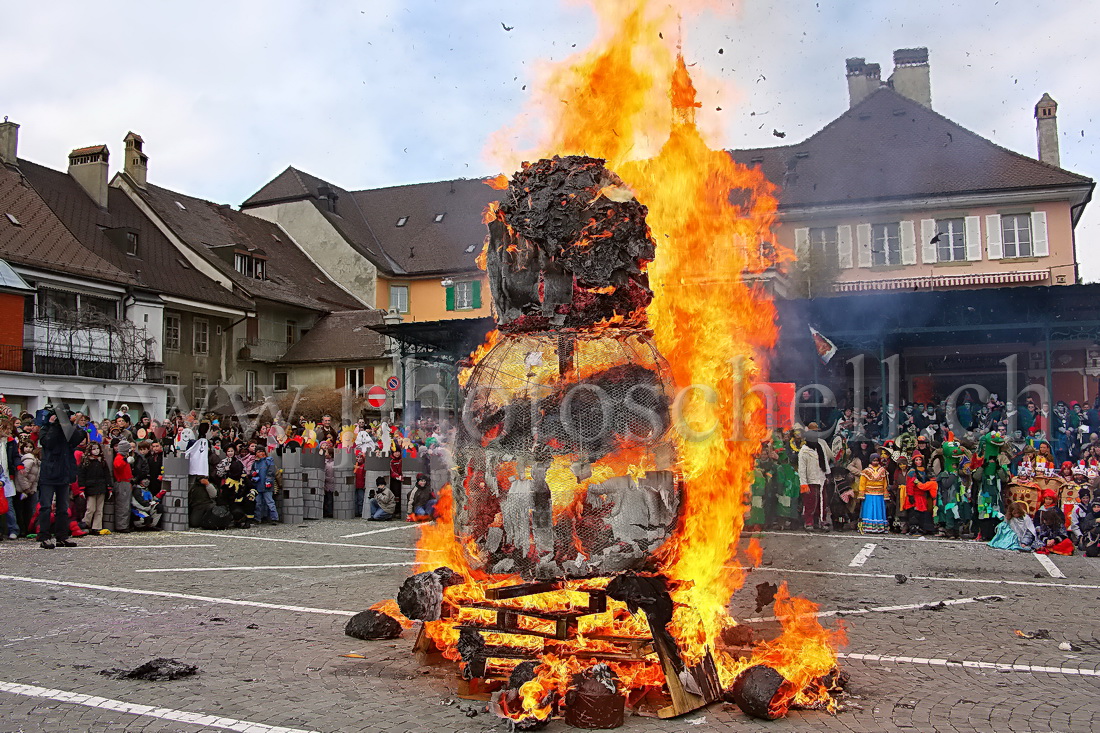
(122, 448)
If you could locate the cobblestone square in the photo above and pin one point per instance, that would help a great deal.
(261, 612)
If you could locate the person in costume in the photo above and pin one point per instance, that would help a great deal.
(920, 492)
(895, 496)
(952, 499)
(990, 477)
(843, 489)
(1077, 513)
(1050, 526)
(788, 489)
(814, 468)
(763, 477)
(873, 486)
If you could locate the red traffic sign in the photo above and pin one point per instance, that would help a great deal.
(392, 384)
(376, 396)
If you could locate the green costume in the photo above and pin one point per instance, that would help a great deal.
(992, 475)
(952, 501)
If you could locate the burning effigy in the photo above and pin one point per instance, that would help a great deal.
(588, 545)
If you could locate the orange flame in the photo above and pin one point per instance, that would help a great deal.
(391, 609)
(632, 101)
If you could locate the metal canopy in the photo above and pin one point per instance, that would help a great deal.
(955, 317)
(443, 341)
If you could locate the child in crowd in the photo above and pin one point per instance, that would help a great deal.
(1050, 525)
(94, 476)
(263, 480)
(383, 503)
(1089, 527)
(26, 486)
(123, 476)
(423, 500)
(360, 482)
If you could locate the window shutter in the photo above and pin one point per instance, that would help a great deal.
(973, 238)
(908, 243)
(475, 298)
(450, 297)
(863, 241)
(844, 245)
(1039, 245)
(341, 377)
(929, 255)
(801, 242)
(994, 246)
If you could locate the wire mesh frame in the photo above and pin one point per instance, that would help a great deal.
(555, 513)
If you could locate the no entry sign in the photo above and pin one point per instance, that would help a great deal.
(376, 396)
(392, 384)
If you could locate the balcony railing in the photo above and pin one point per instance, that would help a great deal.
(264, 350)
(73, 364)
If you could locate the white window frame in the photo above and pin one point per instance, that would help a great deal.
(464, 295)
(200, 388)
(172, 382)
(1015, 230)
(355, 379)
(956, 239)
(250, 384)
(399, 293)
(882, 235)
(169, 343)
(200, 327)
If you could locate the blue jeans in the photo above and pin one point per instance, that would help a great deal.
(265, 506)
(425, 510)
(48, 494)
(376, 511)
(13, 520)
(360, 495)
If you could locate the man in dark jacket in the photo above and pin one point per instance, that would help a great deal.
(57, 475)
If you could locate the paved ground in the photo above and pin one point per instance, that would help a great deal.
(261, 611)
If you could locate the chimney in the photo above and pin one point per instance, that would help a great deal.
(911, 77)
(136, 163)
(1046, 130)
(9, 142)
(89, 167)
(863, 78)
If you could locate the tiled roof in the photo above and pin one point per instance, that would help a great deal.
(340, 336)
(88, 150)
(890, 147)
(423, 245)
(158, 266)
(292, 277)
(41, 240)
(368, 220)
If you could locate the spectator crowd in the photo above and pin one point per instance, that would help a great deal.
(63, 473)
(1033, 488)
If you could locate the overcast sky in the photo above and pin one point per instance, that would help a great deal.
(381, 92)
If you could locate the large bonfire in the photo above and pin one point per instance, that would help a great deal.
(630, 104)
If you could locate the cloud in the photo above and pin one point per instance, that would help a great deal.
(381, 92)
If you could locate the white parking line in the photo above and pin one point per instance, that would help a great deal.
(327, 544)
(1047, 563)
(184, 596)
(35, 547)
(1074, 586)
(147, 711)
(969, 664)
(862, 555)
(408, 525)
(278, 567)
(880, 609)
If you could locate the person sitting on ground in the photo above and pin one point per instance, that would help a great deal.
(145, 508)
(1089, 526)
(383, 504)
(1050, 524)
(1016, 531)
(203, 511)
(423, 500)
(1077, 511)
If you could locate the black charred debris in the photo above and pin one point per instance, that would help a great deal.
(371, 625)
(160, 669)
(568, 247)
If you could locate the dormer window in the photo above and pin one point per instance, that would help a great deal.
(250, 265)
(132, 243)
